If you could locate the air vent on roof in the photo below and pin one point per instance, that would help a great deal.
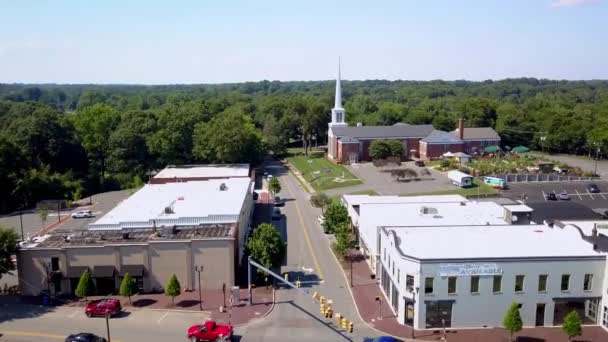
(428, 211)
(223, 187)
(463, 203)
(169, 210)
(180, 198)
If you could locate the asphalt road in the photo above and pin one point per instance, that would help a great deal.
(37, 324)
(295, 315)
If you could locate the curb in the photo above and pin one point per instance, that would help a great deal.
(258, 319)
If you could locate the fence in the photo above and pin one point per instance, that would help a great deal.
(543, 177)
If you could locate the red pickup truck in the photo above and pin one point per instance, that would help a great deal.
(209, 331)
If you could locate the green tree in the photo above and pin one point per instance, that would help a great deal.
(94, 126)
(512, 320)
(173, 288)
(128, 287)
(274, 185)
(8, 248)
(229, 138)
(266, 246)
(572, 325)
(44, 214)
(85, 286)
(335, 216)
(320, 200)
(344, 240)
(382, 149)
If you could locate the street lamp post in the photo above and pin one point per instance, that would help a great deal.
(198, 270)
(350, 258)
(597, 156)
(108, 326)
(414, 294)
(542, 145)
(21, 223)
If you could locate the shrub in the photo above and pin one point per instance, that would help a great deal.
(335, 215)
(319, 200)
(464, 170)
(444, 163)
(85, 286)
(382, 149)
(173, 288)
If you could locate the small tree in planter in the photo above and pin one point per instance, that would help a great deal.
(512, 321)
(343, 240)
(319, 200)
(128, 287)
(85, 286)
(274, 186)
(572, 325)
(173, 288)
(44, 214)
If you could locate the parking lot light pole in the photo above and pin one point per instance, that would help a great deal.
(597, 156)
(108, 326)
(21, 223)
(198, 270)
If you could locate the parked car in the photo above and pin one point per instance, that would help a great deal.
(419, 163)
(210, 331)
(564, 196)
(103, 307)
(82, 214)
(278, 202)
(276, 213)
(592, 188)
(381, 339)
(84, 337)
(551, 196)
(321, 219)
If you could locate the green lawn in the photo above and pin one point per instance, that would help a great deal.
(365, 192)
(479, 188)
(320, 173)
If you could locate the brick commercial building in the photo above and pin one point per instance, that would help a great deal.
(160, 230)
(348, 144)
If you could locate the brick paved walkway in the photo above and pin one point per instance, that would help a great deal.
(241, 313)
(365, 290)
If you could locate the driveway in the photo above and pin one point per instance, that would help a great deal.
(384, 184)
(584, 163)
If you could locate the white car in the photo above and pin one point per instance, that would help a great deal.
(82, 214)
(321, 219)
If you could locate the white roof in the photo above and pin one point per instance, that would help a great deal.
(518, 208)
(481, 242)
(361, 199)
(437, 214)
(205, 171)
(448, 154)
(189, 203)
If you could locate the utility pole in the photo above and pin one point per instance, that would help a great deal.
(21, 223)
(58, 212)
(198, 270)
(108, 326)
(249, 279)
(597, 156)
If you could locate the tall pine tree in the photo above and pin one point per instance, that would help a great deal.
(173, 288)
(512, 321)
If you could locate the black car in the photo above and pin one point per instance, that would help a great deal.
(84, 337)
(551, 196)
(419, 163)
(278, 202)
(592, 188)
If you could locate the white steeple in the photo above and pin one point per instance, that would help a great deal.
(338, 113)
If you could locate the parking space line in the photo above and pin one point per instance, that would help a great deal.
(544, 195)
(601, 194)
(579, 195)
(590, 195)
(72, 315)
(163, 317)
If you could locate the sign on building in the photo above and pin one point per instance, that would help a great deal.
(450, 270)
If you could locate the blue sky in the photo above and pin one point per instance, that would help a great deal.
(158, 42)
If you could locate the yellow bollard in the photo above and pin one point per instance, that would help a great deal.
(344, 323)
(286, 276)
(322, 309)
(329, 312)
(350, 327)
(315, 295)
(322, 300)
(298, 283)
(338, 318)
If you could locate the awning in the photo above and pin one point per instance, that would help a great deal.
(133, 270)
(103, 272)
(448, 154)
(75, 271)
(491, 149)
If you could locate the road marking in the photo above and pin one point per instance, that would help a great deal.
(305, 230)
(73, 314)
(579, 195)
(160, 319)
(544, 195)
(37, 334)
(601, 194)
(590, 195)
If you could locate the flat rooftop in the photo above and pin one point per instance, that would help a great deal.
(186, 203)
(431, 214)
(488, 242)
(204, 171)
(361, 199)
(62, 239)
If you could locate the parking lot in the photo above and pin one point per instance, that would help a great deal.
(579, 206)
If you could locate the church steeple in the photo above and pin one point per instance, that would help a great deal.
(338, 102)
(338, 113)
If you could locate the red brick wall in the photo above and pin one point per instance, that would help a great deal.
(479, 145)
(434, 151)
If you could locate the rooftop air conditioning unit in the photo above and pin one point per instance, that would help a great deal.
(169, 210)
(223, 187)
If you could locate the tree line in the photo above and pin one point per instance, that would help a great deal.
(67, 141)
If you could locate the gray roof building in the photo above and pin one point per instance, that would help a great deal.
(441, 137)
(477, 133)
(379, 132)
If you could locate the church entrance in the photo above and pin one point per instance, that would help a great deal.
(352, 158)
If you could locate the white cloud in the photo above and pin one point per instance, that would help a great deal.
(571, 3)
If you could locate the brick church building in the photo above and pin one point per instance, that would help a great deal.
(350, 144)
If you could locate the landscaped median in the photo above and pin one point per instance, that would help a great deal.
(320, 173)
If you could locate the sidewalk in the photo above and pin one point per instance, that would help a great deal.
(241, 313)
(365, 291)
